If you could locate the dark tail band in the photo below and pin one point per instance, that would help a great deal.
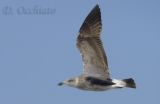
(130, 83)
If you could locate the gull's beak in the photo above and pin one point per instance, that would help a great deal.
(60, 84)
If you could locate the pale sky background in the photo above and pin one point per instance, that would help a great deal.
(38, 51)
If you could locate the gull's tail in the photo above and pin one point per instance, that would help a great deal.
(129, 83)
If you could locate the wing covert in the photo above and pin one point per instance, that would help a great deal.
(91, 47)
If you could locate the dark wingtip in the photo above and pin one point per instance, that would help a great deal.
(97, 6)
(92, 23)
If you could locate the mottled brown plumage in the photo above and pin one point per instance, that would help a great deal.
(91, 47)
(95, 76)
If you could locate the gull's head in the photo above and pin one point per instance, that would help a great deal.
(70, 82)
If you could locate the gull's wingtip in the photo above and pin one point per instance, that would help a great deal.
(96, 6)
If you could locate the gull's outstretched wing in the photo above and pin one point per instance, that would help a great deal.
(91, 47)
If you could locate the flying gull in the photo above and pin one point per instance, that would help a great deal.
(95, 76)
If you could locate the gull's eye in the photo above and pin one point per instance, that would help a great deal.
(71, 80)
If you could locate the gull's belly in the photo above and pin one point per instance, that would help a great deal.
(94, 84)
(92, 87)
